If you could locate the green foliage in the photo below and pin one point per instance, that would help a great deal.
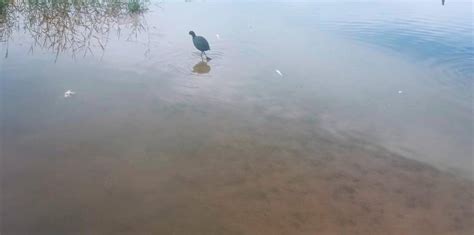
(136, 6)
(3, 4)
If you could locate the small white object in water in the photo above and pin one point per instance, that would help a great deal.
(400, 92)
(69, 93)
(279, 73)
(218, 37)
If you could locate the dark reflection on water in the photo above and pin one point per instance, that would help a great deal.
(202, 67)
(297, 131)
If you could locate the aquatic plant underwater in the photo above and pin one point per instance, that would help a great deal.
(71, 25)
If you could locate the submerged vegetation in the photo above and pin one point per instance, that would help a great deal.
(77, 26)
(132, 6)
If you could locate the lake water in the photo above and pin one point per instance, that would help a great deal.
(322, 117)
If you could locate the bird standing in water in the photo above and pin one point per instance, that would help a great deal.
(201, 44)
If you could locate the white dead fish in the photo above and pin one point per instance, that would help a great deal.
(279, 73)
(218, 37)
(69, 93)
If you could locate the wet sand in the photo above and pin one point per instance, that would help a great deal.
(268, 179)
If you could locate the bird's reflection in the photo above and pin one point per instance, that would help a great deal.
(202, 67)
(79, 27)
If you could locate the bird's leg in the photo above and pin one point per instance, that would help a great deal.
(207, 58)
(201, 55)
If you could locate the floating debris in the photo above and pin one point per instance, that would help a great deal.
(69, 93)
(218, 37)
(279, 73)
(400, 92)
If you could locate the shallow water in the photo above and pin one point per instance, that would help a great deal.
(369, 118)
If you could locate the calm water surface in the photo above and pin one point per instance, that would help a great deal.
(372, 104)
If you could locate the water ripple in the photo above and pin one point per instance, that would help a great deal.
(441, 36)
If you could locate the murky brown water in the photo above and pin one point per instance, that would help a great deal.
(349, 139)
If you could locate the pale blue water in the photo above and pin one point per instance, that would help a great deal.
(288, 80)
(352, 55)
(421, 31)
(441, 36)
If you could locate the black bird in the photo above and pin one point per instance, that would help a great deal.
(201, 44)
